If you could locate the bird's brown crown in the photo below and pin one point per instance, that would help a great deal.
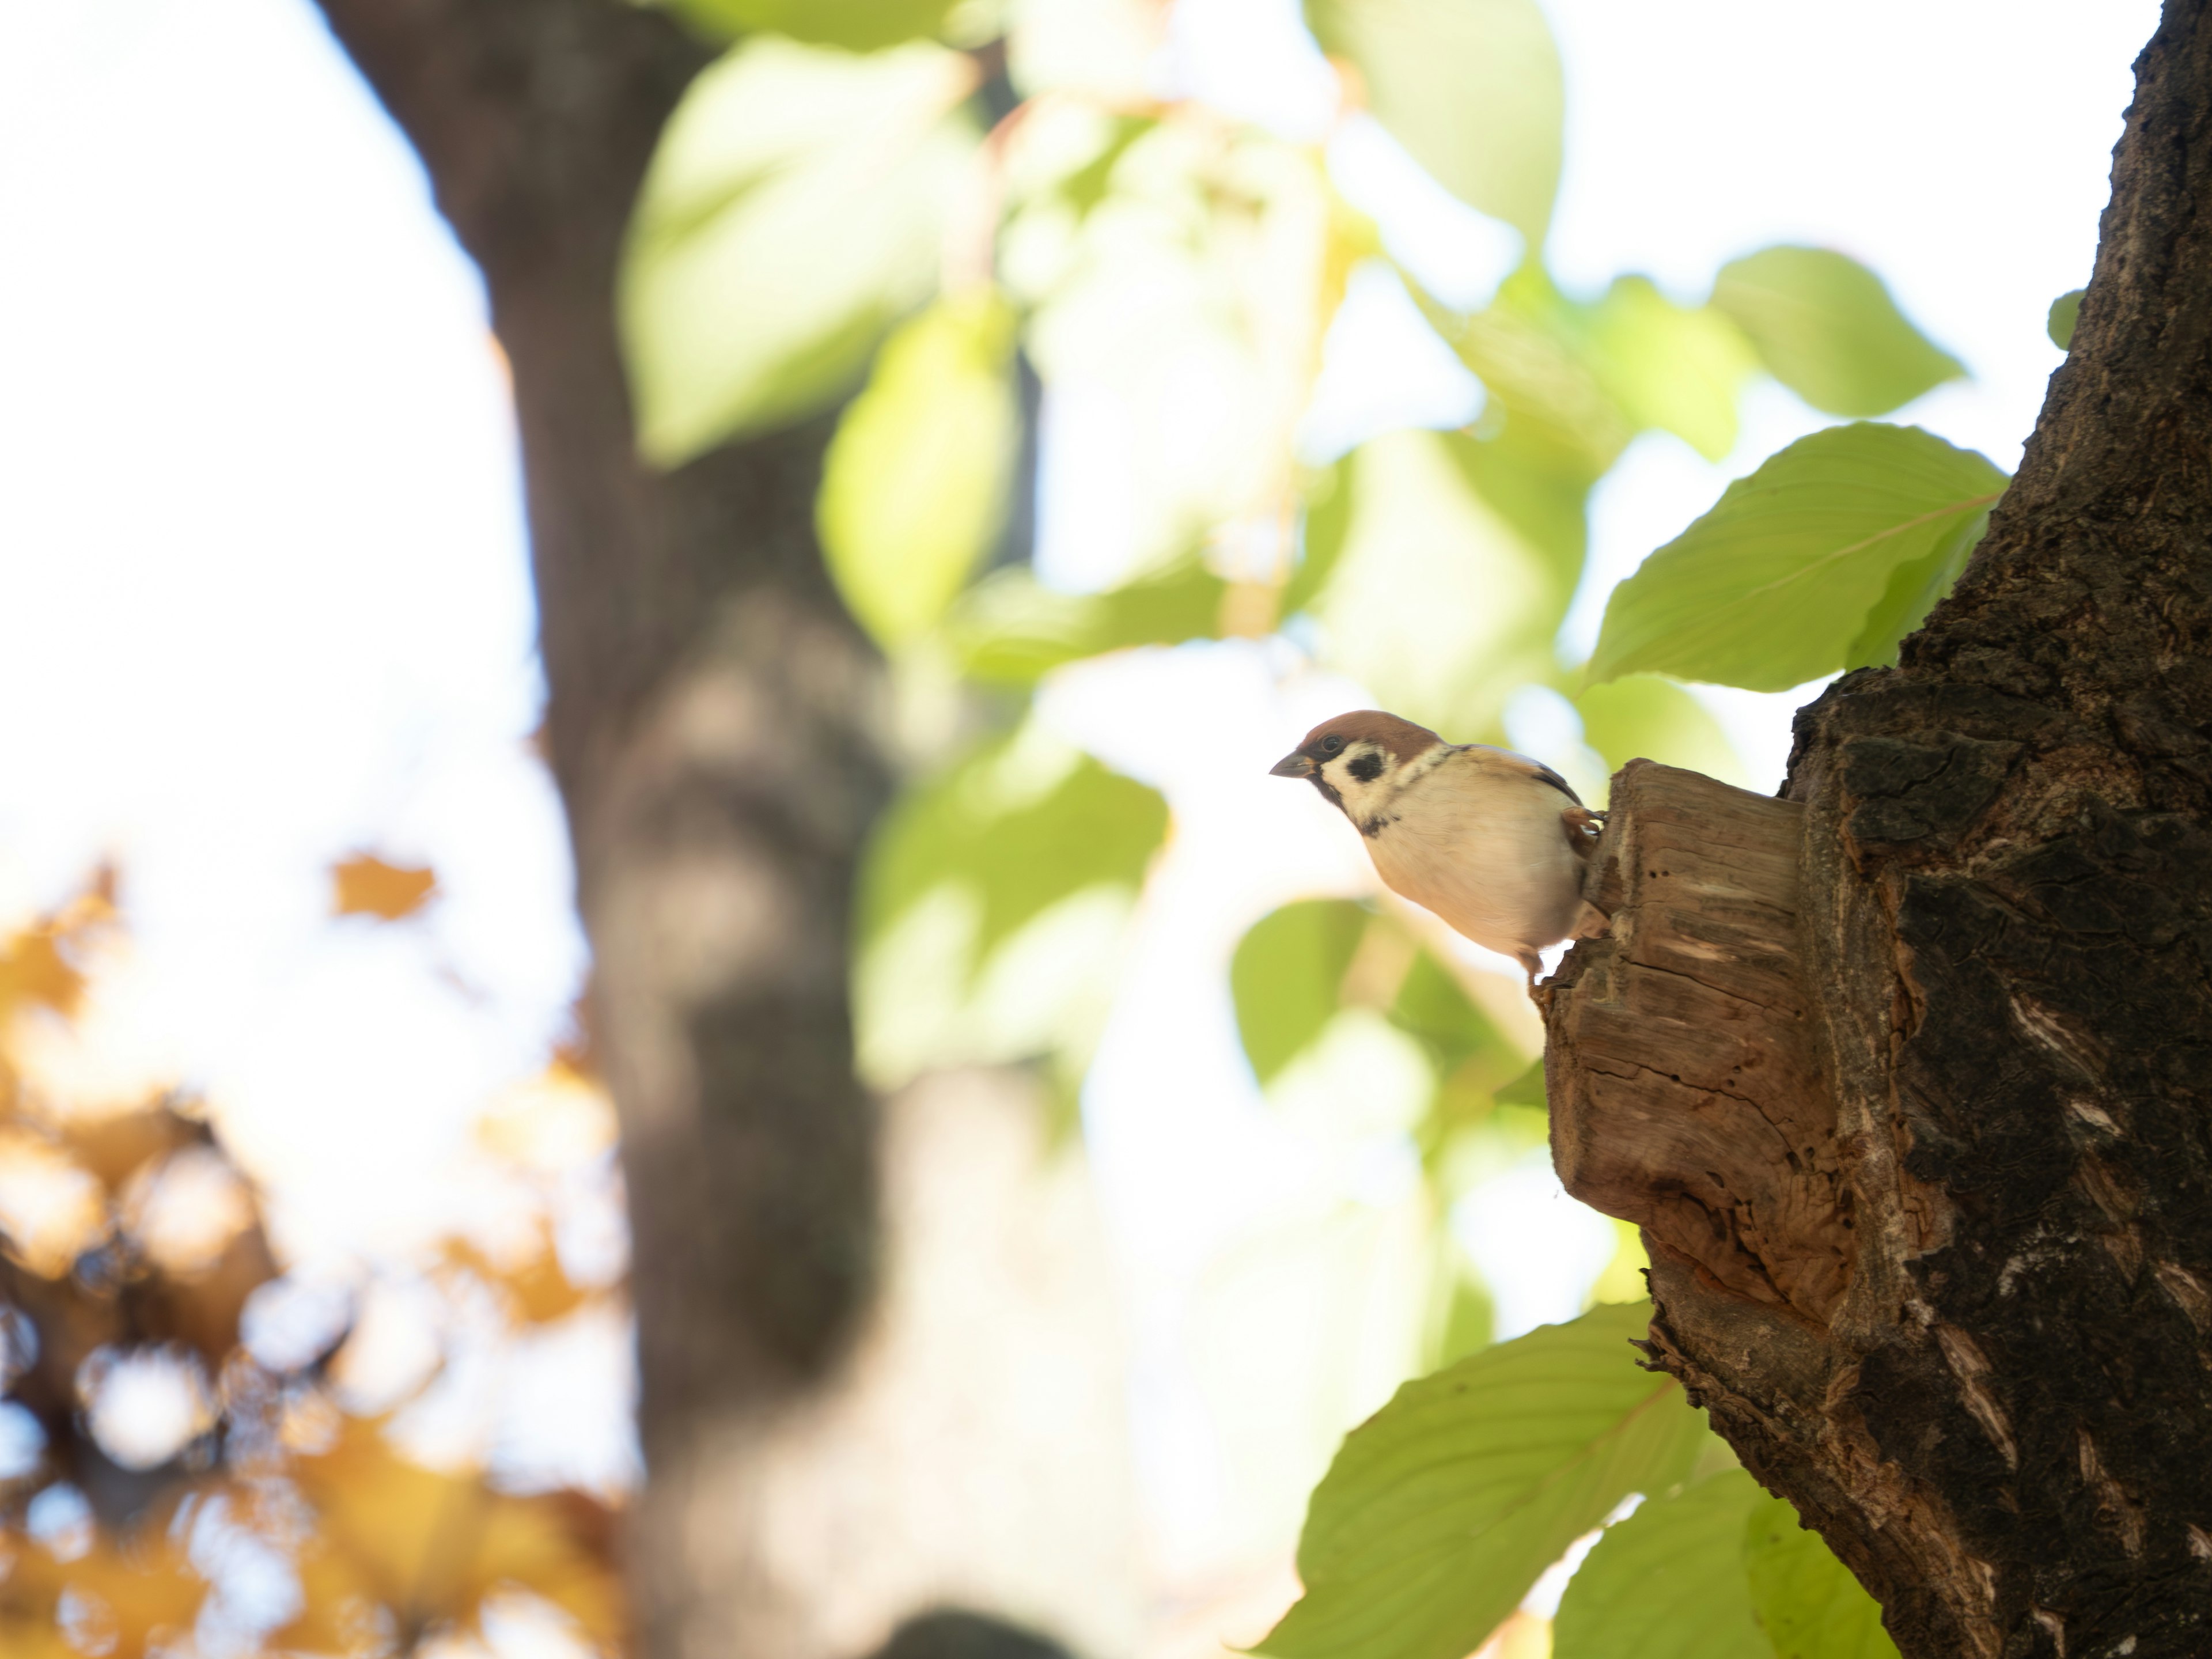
(1401, 738)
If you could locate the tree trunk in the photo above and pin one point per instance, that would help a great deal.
(840, 1369)
(1908, 1077)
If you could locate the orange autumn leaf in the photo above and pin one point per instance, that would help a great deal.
(33, 966)
(367, 886)
(535, 1288)
(124, 1597)
(430, 1547)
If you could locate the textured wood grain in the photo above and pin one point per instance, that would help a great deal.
(1954, 1290)
(1693, 1107)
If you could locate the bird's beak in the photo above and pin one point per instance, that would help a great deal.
(1292, 766)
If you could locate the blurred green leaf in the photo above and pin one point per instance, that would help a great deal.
(856, 25)
(2065, 311)
(1442, 1508)
(1327, 519)
(1642, 715)
(1432, 1008)
(1288, 978)
(914, 485)
(1471, 88)
(1438, 604)
(1675, 368)
(1026, 822)
(794, 210)
(1773, 586)
(1085, 187)
(1805, 1600)
(1825, 327)
(1527, 1090)
(1538, 484)
(1531, 350)
(1010, 629)
(1668, 1581)
(991, 904)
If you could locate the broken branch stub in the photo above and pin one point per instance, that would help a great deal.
(1683, 1090)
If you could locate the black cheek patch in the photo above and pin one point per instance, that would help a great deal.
(1366, 769)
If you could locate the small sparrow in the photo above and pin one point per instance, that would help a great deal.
(1492, 842)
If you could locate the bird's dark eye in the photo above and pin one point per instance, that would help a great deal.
(1330, 745)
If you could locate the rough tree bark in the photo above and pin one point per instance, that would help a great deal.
(847, 1313)
(1908, 1076)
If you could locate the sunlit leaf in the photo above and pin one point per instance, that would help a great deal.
(1825, 327)
(856, 25)
(124, 1597)
(1010, 629)
(1668, 1581)
(1676, 368)
(914, 485)
(1805, 1600)
(41, 964)
(1440, 1510)
(533, 1284)
(1026, 823)
(1913, 591)
(1773, 586)
(366, 886)
(1645, 717)
(1085, 187)
(2065, 311)
(1100, 50)
(1327, 518)
(1438, 604)
(1471, 88)
(1287, 977)
(431, 1546)
(992, 907)
(1177, 323)
(794, 209)
(1558, 426)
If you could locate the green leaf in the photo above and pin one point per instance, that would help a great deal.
(1287, 976)
(1532, 348)
(2065, 311)
(1327, 518)
(1775, 586)
(1026, 822)
(1672, 366)
(856, 25)
(1527, 1090)
(794, 210)
(914, 485)
(1010, 629)
(1490, 601)
(1805, 1600)
(991, 907)
(1668, 1581)
(1643, 716)
(1434, 1010)
(1442, 1509)
(1912, 595)
(1825, 327)
(1471, 88)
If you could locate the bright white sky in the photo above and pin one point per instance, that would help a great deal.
(263, 584)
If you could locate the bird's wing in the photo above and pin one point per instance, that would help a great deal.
(1506, 760)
